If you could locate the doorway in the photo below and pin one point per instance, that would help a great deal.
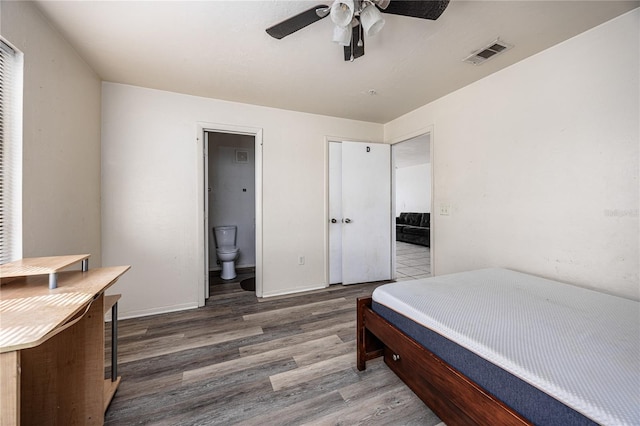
(230, 181)
(231, 190)
(412, 182)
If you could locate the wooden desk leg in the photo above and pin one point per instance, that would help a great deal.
(10, 388)
(111, 384)
(114, 342)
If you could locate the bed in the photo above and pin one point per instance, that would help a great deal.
(496, 346)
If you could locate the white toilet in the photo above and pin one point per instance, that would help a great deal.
(226, 250)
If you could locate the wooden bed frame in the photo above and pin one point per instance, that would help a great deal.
(452, 396)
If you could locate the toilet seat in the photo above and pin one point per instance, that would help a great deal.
(227, 249)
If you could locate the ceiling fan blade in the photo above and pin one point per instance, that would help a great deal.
(354, 49)
(297, 22)
(424, 9)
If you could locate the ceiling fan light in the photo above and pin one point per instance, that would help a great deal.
(342, 35)
(342, 12)
(371, 20)
(323, 11)
(382, 4)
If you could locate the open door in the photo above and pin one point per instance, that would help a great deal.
(365, 222)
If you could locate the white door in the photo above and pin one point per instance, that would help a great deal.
(335, 212)
(366, 212)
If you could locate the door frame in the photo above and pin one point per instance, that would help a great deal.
(203, 198)
(422, 131)
(331, 216)
(327, 218)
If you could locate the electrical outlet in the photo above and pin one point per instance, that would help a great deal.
(300, 260)
(444, 209)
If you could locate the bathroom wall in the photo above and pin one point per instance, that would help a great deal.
(232, 195)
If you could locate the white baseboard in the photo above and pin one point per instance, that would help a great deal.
(155, 311)
(290, 292)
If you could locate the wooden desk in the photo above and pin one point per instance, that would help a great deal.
(52, 348)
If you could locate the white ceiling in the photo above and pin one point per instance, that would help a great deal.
(219, 49)
(412, 152)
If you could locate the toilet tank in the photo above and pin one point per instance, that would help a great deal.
(225, 235)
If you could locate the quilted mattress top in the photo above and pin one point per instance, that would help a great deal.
(580, 346)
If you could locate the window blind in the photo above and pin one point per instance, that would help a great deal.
(10, 153)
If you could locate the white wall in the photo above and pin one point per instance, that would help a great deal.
(149, 181)
(413, 189)
(61, 139)
(232, 196)
(540, 164)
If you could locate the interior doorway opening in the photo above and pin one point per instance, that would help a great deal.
(230, 181)
(412, 200)
(231, 208)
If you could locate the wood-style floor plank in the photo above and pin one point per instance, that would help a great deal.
(310, 372)
(242, 363)
(294, 339)
(286, 360)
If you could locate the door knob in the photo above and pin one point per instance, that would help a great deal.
(347, 220)
(333, 220)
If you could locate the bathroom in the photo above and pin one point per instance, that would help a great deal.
(231, 194)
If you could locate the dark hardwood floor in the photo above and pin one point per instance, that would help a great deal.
(239, 360)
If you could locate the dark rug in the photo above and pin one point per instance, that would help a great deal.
(248, 284)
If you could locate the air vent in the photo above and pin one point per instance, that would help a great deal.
(492, 49)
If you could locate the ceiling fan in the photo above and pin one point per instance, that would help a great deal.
(354, 19)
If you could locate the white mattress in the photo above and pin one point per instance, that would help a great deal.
(579, 346)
